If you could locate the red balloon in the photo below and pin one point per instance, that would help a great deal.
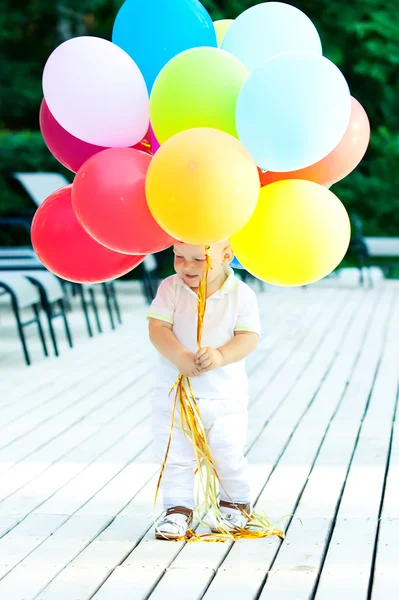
(71, 152)
(64, 247)
(340, 162)
(108, 197)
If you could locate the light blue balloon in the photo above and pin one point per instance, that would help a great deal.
(154, 31)
(235, 264)
(268, 29)
(293, 111)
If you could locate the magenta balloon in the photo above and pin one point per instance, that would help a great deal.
(71, 152)
(154, 142)
(67, 149)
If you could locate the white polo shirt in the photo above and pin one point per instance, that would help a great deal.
(232, 308)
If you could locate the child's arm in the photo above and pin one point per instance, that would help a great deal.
(238, 348)
(165, 341)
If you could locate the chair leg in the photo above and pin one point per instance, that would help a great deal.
(21, 332)
(368, 267)
(108, 304)
(114, 298)
(95, 309)
(146, 290)
(49, 315)
(85, 311)
(40, 329)
(66, 324)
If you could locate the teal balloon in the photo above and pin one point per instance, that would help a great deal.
(293, 111)
(268, 29)
(235, 264)
(154, 31)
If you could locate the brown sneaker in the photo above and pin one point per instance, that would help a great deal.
(174, 523)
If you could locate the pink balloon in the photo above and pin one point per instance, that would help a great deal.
(71, 152)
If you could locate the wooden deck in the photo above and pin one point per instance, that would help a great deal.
(78, 477)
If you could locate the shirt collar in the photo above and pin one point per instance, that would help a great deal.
(229, 285)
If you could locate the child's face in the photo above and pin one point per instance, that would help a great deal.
(190, 262)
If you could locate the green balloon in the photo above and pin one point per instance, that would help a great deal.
(197, 88)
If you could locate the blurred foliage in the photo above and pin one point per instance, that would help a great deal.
(361, 37)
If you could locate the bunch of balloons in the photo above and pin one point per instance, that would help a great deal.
(181, 128)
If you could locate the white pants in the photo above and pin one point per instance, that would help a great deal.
(225, 422)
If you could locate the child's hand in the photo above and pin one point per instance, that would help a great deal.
(208, 359)
(187, 365)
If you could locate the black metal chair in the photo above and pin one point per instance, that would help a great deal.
(53, 302)
(23, 294)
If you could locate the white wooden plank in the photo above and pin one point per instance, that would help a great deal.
(62, 459)
(305, 384)
(185, 583)
(70, 382)
(285, 379)
(386, 575)
(103, 550)
(241, 574)
(56, 408)
(130, 583)
(292, 330)
(73, 370)
(34, 572)
(42, 374)
(46, 499)
(391, 504)
(84, 351)
(279, 321)
(60, 422)
(25, 538)
(133, 311)
(109, 549)
(294, 575)
(347, 570)
(295, 356)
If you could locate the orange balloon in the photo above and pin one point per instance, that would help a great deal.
(340, 162)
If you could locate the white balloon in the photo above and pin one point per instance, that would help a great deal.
(268, 29)
(97, 92)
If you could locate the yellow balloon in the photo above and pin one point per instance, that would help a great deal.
(221, 28)
(298, 234)
(202, 186)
